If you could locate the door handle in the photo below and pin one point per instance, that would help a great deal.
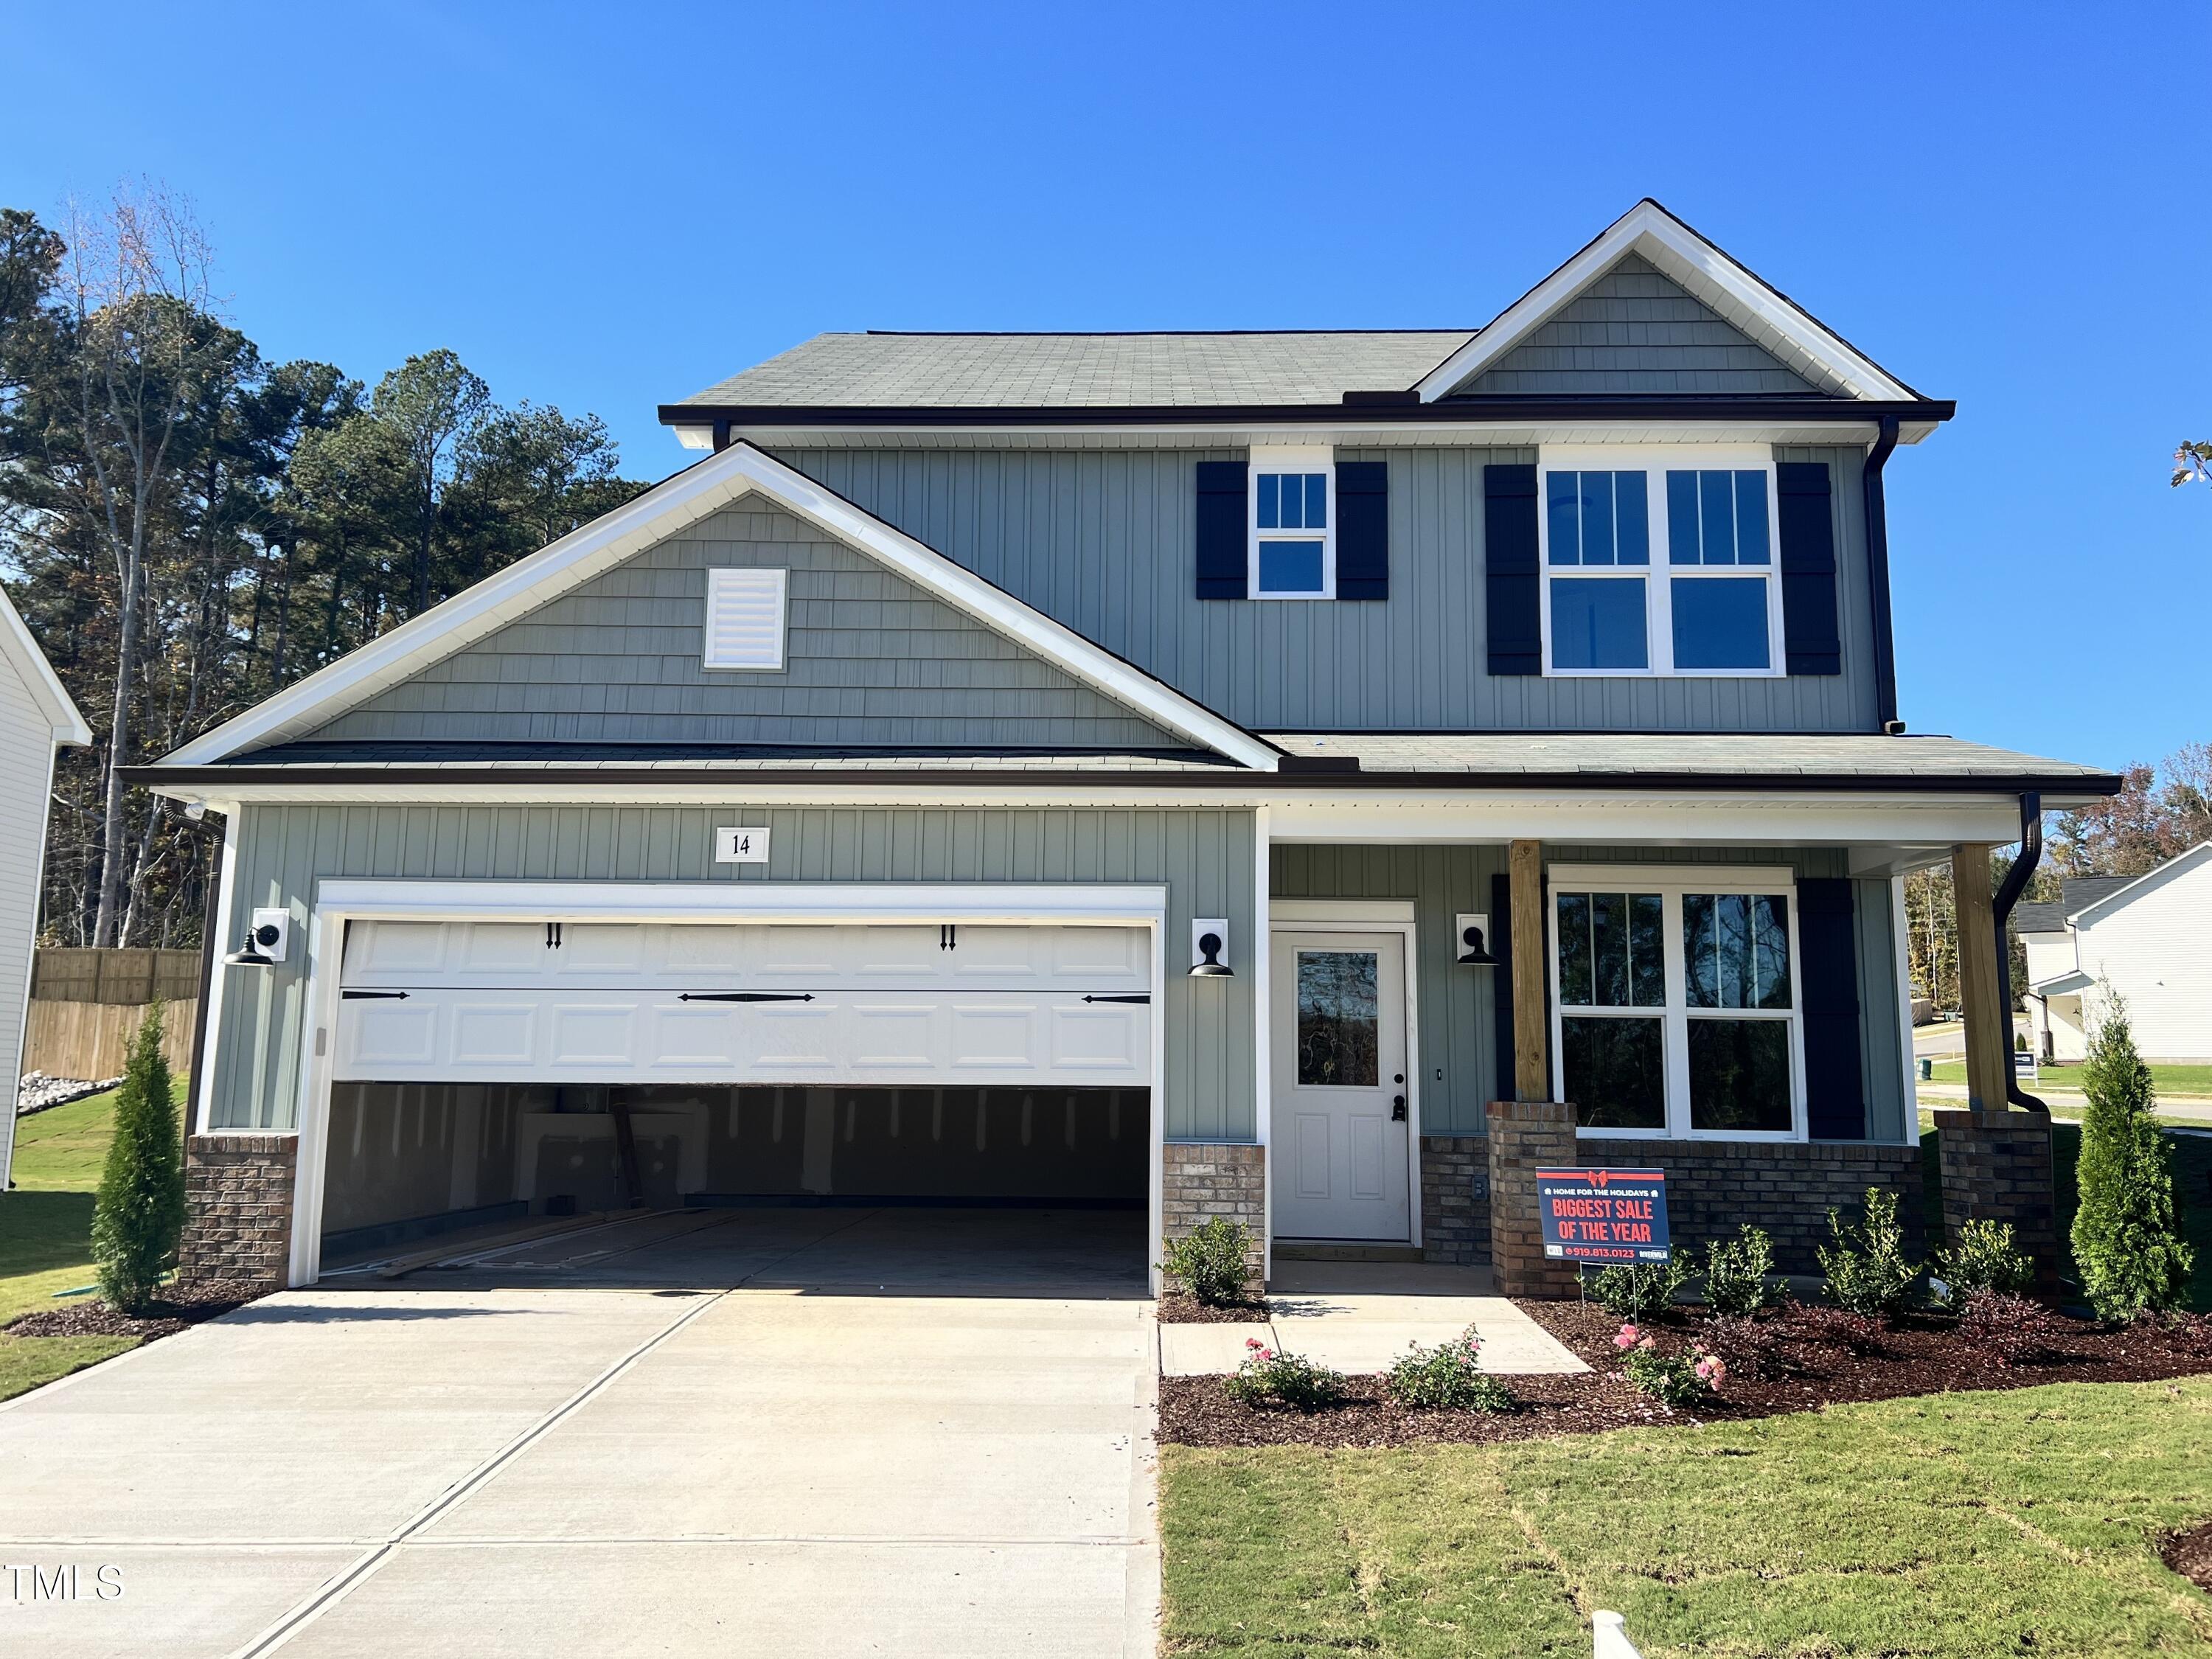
(1397, 1109)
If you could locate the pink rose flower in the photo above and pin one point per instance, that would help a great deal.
(1627, 1337)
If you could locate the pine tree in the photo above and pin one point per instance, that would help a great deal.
(139, 1214)
(2127, 1242)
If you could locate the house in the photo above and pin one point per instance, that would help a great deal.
(1314, 778)
(36, 717)
(2143, 937)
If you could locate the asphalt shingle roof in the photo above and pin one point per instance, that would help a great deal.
(1102, 371)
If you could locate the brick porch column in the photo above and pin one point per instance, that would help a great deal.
(1201, 1180)
(238, 1212)
(1525, 1136)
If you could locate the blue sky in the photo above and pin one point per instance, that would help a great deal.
(604, 207)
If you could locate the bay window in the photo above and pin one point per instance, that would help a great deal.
(1673, 1001)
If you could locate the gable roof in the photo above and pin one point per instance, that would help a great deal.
(1768, 316)
(2108, 892)
(21, 649)
(705, 487)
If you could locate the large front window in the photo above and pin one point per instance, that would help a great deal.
(1674, 1001)
(1687, 589)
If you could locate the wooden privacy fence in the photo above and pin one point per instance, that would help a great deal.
(86, 1006)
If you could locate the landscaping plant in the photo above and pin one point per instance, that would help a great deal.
(1635, 1290)
(1671, 1379)
(1211, 1262)
(2015, 1330)
(1867, 1271)
(139, 1213)
(1444, 1378)
(1983, 1259)
(1736, 1274)
(1268, 1378)
(1751, 1347)
(2127, 1239)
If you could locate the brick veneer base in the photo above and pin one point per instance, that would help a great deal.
(1787, 1188)
(1199, 1181)
(1454, 1199)
(237, 1210)
(1525, 1136)
(1996, 1166)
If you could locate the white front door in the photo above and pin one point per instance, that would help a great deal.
(1340, 1130)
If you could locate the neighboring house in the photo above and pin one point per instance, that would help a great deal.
(2148, 938)
(36, 717)
(1194, 771)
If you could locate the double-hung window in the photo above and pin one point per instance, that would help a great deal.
(1674, 1001)
(1659, 561)
(1293, 529)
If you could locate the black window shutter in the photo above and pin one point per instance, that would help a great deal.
(1509, 578)
(1501, 983)
(1812, 642)
(1223, 559)
(1363, 530)
(1827, 955)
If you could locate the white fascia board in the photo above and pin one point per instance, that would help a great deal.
(2135, 890)
(871, 902)
(1491, 432)
(1699, 266)
(20, 647)
(693, 494)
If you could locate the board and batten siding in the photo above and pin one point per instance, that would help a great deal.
(1104, 541)
(27, 763)
(871, 660)
(1204, 857)
(1455, 1009)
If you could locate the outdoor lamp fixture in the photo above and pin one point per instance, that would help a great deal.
(249, 954)
(1474, 936)
(1209, 942)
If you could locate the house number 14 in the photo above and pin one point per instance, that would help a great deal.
(741, 846)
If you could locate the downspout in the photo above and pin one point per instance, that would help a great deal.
(1877, 534)
(2015, 884)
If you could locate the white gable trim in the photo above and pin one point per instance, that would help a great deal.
(1799, 339)
(693, 495)
(2135, 888)
(21, 649)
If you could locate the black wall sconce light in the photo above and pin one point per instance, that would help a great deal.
(263, 945)
(1209, 944)
(1473, 930)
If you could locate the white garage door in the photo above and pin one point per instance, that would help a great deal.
(605, 1002)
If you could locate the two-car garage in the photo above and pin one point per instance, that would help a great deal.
(495, 1065)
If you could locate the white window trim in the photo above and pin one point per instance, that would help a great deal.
(1670, 882)
(1286, 457)
(1660, 575)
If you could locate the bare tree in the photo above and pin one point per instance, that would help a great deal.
(136, 279)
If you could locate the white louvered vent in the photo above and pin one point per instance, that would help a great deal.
(745, 618)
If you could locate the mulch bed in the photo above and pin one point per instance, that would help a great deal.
(2189, 1554)
(93, 1317)
(1177, 1309)
(1810, 1361)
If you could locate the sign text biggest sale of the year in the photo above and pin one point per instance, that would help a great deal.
(1603, 1214)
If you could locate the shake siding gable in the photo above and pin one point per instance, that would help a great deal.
(870, 660)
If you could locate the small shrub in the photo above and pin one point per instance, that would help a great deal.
(1867, 1271)
(2127, 1240)
(1444, 1378)
(2012, 1329)
(139, 1214)
(1983, 1259)
(1635, 1290)
(1752, 1347)
(1682, 1379)
(1736, 1274)
(1835, 1327)
(2191, 1332)
(1269, 1378)
(1210, 1264)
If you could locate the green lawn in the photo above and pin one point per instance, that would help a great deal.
(44, 1223)
(2168, 1079)
(1955, 1525)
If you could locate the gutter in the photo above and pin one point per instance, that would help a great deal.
(2015, 883)
(1877, 534)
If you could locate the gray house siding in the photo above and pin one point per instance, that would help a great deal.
(870, 660)
(1105, 542)
(1636, 330)
(1203, 857)
(1456, 1011)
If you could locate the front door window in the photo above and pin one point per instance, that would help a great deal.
(1338, 1026)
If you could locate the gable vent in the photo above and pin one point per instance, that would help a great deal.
(745, 618)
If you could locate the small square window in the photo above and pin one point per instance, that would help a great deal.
(1720, 621)
(1597, 623)
(1293, 546)
(1288, 567)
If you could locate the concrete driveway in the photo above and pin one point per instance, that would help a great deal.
(888, 1432)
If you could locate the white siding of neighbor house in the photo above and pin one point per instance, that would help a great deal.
(2154, 949)
(26, 758)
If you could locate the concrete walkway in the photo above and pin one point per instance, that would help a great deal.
(812, 1463)
(1357, 1318)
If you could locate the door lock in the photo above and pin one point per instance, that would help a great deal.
(1397, 1109)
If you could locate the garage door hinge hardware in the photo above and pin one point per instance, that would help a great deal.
(373, 996)
(552, 935)
(747, 996)
(948, 936)
(1135, 996)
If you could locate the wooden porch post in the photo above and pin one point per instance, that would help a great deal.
(1532, 1067)
(1988, 1022)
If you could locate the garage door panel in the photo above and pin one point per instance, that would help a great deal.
(379, 1038)
(594, 1036)
(887, 1038)
(498, 1036)
(1107, 1041)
